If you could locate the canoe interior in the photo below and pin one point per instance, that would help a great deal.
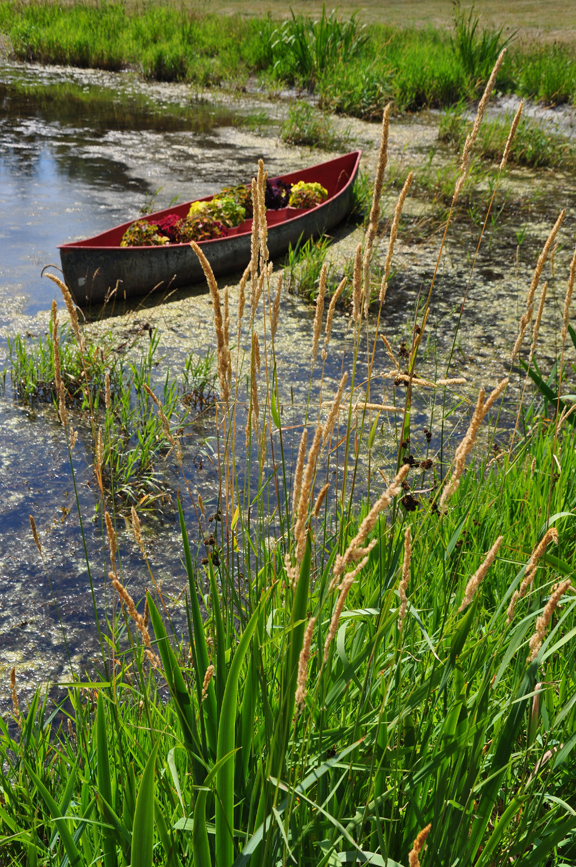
(334, 175)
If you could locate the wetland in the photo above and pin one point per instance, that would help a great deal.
(82, 150)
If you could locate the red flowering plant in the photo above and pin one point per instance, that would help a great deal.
(200, 228)
(169, 226)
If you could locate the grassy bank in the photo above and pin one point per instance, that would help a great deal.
(354, 69)
(355, 681)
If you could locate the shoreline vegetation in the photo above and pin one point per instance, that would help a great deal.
(391, 684)
(354, 69)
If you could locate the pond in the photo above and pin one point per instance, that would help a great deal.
(84, 150)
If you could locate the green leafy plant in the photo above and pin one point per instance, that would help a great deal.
(304, 47)
(307, 126)
(478, 51)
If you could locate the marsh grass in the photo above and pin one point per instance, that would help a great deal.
(533, 145)
(355, 70)
(134, 441)
(303, 266)
(306, 125)
(339, 694)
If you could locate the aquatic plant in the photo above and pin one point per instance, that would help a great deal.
(533, 144)
(305, 125)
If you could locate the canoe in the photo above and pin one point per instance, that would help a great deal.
(98, 268)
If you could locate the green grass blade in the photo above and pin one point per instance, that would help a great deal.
(61, 823)
(104, 782)
(143, 831)
(226, 745)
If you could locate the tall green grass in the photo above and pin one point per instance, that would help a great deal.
(336, 690)
(355, 70)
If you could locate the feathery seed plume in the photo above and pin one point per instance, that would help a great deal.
(13, 692)
(136, 617)
(242, 296)
(307, 485)
(390, 352)
(357, 285)
(320, 499)
(394, 235)
(112, 541)
(471, 137)
(551, 535)
(537, 322)
(335, 409)
(35, 534)
(298, 472)
(511, 135)
(262, 223)
(330, 315)
(137, 530)
(375, 209)
(62, 406)
(222, 349)
(319, 311)
(419, 842)
(345, 586)
(255, 248)
(467, 443)
(206, 682)
(544, 619)
(107, 395)
(403, 586)
(71, 307)
(479, 574)
(527, 315)
(568, 298)
(355, 549)
(254, 411)
(303, 661)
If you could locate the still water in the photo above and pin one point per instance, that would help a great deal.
(83, 150)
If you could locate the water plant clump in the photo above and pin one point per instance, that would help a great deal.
(351, 684)
(533, 145)
(112, 399)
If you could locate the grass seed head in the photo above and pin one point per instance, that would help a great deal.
(14, 694)
(330, 315)
(511, 135)
(543, 621)
(419, 843)
(478, 576)
(222, 348)
(551, 535)
(393, 235)
(403, 586)
(35, 534)
(303, 661)
(319, 311)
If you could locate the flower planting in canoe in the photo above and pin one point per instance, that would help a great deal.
(227, 210)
